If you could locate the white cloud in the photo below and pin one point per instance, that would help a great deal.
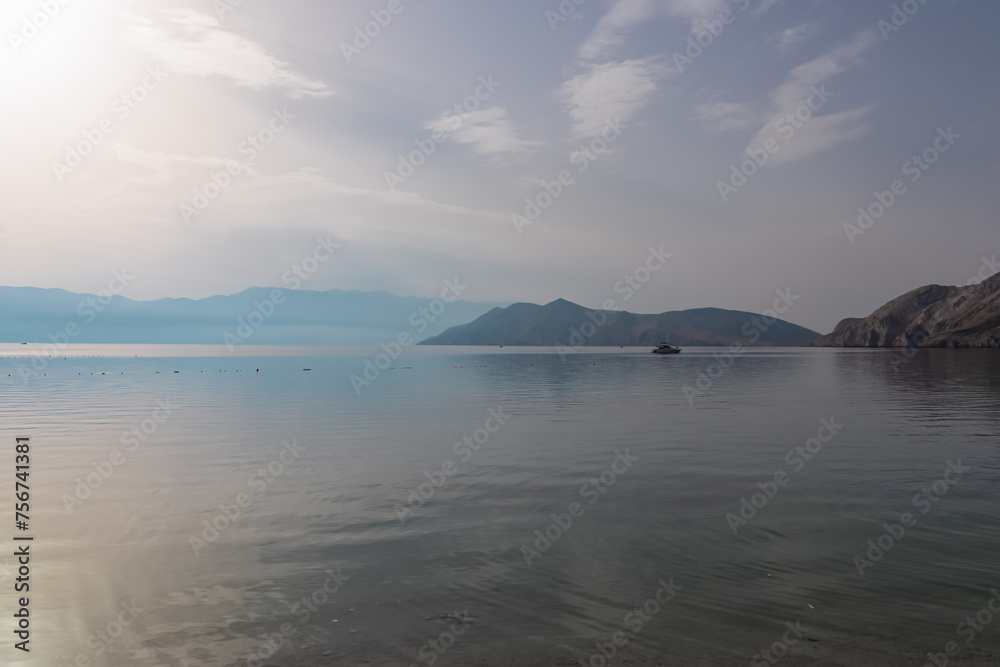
(193, 43)
(816, 136)
(764, 6)
(607, 34)
(820, 132)
(624, 14)
(487, 130)
(801, 79)
(608, 92)
(161, 181)
(297, 185)
(155, 169)
(788, 39)
(727, 116)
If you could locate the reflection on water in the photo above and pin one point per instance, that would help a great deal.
(188, 518)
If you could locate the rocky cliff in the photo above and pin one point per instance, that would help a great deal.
(932, 316)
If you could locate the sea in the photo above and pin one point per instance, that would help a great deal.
(193, 505)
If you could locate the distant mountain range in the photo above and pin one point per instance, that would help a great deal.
(565, 323)
(336, 317)
(932, 316)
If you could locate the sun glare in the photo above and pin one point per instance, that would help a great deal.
(53, 50)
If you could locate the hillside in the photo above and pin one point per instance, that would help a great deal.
(555, 322)
(931, 316)
(304, 317)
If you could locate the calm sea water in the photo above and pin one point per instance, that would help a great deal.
(126, 571)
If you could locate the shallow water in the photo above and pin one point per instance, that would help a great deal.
(335, 506)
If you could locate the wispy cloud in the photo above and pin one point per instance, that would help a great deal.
(764, 6)
(295, 184)
(169, 177)
(625, 14)
(189, 42)
(487, 131)
(821, 132)
(609, 91)
(608, 32)
(805, 76)
(790, 38)
(155, 169)
(728, 116)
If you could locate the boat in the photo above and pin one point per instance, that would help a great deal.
(665, 348)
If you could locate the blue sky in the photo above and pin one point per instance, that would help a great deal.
(300, 121)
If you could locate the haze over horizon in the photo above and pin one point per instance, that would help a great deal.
(502, 333)
(171, 92)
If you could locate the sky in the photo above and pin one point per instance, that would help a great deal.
(532, 149)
